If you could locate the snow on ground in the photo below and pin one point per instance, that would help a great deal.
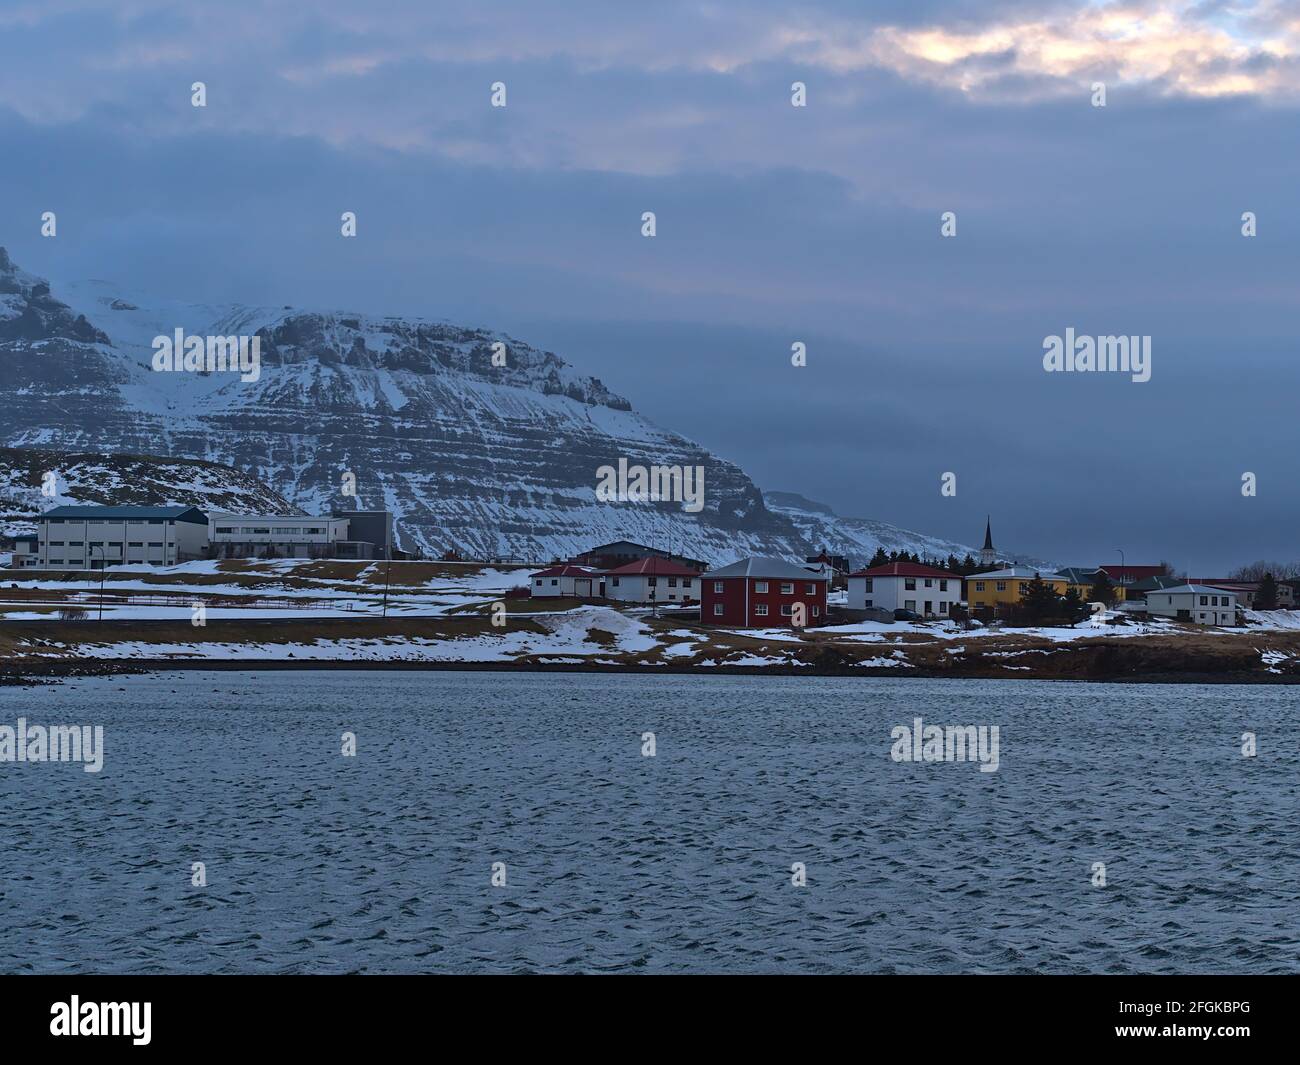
(1281, 620)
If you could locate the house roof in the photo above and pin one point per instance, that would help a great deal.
(905, 569)
(1016, 573)
(988, 534)
(1159, 581)
(761, 567)
(119, 513)
(1196, 589)
(1136, 573)
(1079, 574)
(226, 515)
(652, 567)
(565, 569)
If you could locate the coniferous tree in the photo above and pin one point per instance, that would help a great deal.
(953, 565)
(1073, 606)
(968, 565)
(1039, 601)
(1266, 596)
(1102, 590)
(878, 559)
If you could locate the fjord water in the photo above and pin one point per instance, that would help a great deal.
(679, 862)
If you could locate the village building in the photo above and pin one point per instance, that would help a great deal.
(1203, 604)
(653, 580)
(283, 536)
(1003, 586)
(988, 553)
(905, 586)
(567, 581)
(27, 550)
(621, 552)
(1081, 579)
(92, 537)
(761, 593)
(834, 567)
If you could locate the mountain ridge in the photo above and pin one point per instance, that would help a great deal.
(488, 460)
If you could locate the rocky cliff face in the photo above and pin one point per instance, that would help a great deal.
(490, 460)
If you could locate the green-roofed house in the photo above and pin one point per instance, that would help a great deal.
(90, 537)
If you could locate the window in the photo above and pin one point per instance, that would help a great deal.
(760, 609)
(868, 584)
(538, 582)
(909, 604)
(979, 586)
(57, 543)
(616, 582)
(943, 586)
(136, 543)
(787, 587)
(909, 583)
(867, 603)
(817, 611)
(717, 609)
(1001, 586)
(554, 581)
(1203, 599)
(810, 588)
(943, 606)
(672, 582)
(220, 528)
(760, 586)
(653, 581)
(717, 587)
(929, 583)
(1023, 586)
(155, 543)
(787, 610)
(686, 583)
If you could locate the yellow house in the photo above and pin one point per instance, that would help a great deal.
(1007, 585)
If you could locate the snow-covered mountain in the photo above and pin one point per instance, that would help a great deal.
(34, 479)
(491, 460)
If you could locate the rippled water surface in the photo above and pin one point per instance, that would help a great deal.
(619, 862)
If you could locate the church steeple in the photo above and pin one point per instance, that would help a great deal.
(988, 555)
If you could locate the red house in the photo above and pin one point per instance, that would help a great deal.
(761, 593)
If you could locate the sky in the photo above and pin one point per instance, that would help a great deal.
(775, 224)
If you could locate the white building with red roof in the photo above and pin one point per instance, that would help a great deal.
(653, 580)
(905, 586)
(568, 581)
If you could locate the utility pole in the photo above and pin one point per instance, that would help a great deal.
(387, 567)
(103, 572)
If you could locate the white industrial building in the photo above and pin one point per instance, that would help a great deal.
(279, 536)
(1194, 602)
(89, 537)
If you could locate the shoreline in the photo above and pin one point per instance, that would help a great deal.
(12, 672)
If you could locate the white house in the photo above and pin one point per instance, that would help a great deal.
(568, 581)
(905, 586)
(653, 580)
(1194, 602)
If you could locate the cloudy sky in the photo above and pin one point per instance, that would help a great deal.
(776, 224)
